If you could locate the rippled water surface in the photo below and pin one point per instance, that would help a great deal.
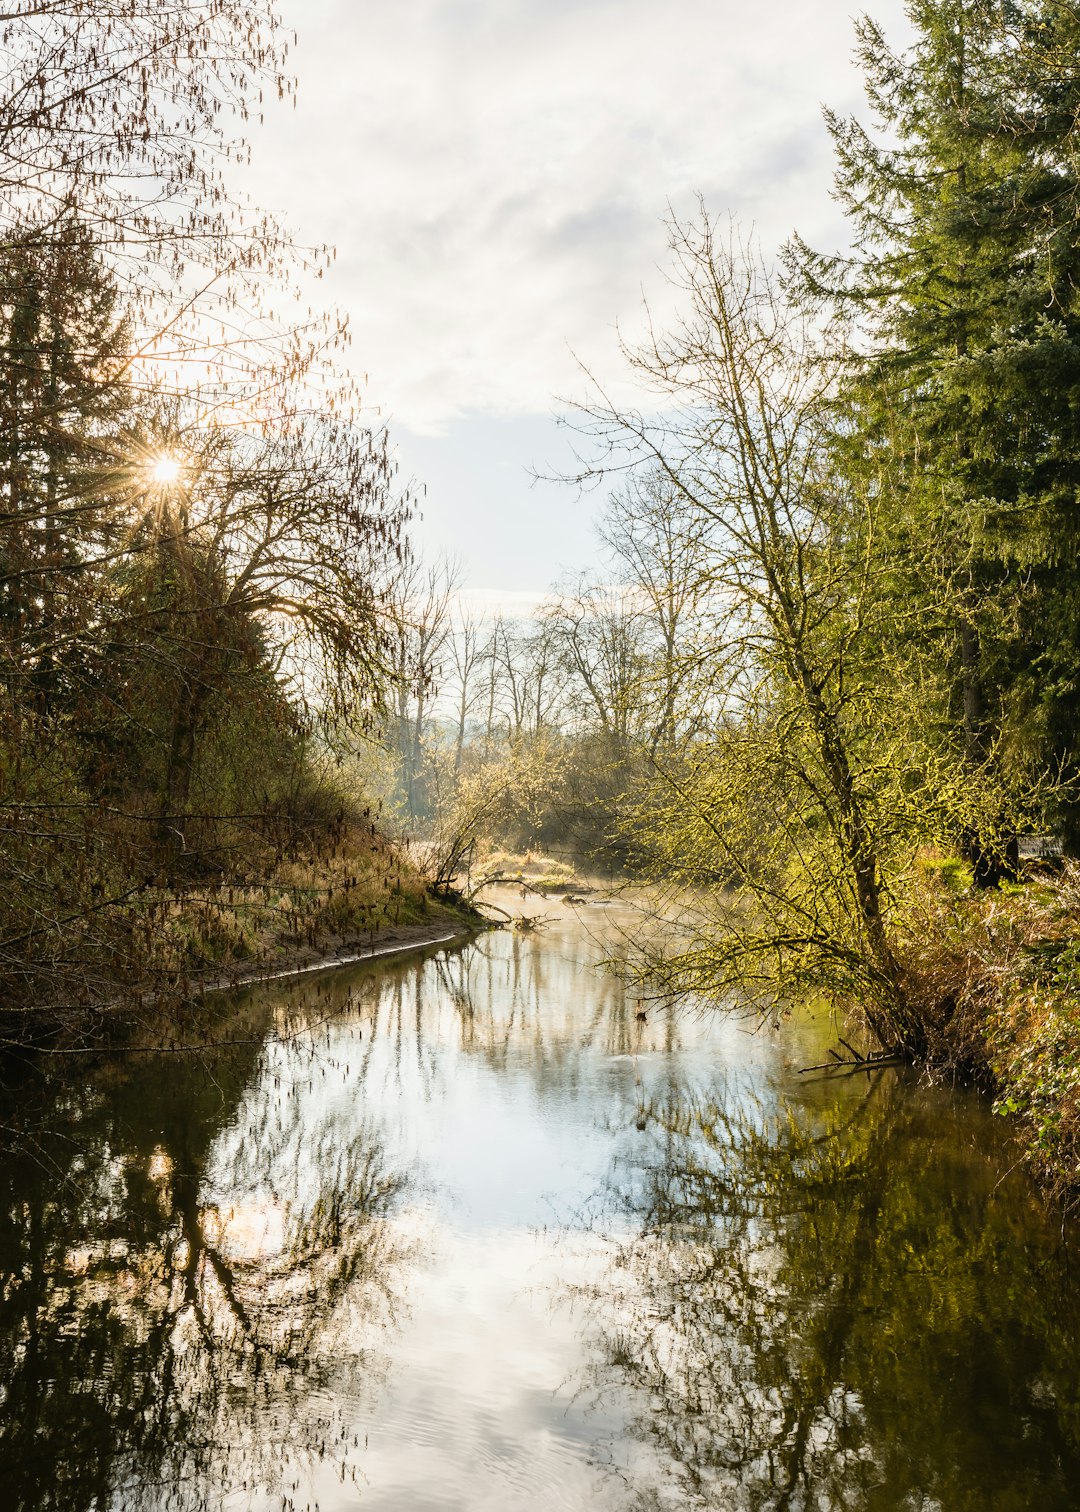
(463, 1232)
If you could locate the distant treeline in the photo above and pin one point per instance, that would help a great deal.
(829, 680)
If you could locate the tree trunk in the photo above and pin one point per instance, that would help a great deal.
(192, 696)
(990, 865)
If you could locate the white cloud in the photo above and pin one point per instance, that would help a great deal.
(493, 172)
(485, 605)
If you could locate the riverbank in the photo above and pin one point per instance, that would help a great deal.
(152, 955)
(995, 977)
(446, 926)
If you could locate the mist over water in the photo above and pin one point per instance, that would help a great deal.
(464, 1232)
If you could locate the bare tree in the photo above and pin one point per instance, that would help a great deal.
(596, 630)
(133, 109)
(819, 778)
(660, 546)
(422, 604)
(466, 654)
(525, 682)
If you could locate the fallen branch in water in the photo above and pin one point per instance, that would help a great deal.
(858, 1062)
(484, 903)
(525, 922)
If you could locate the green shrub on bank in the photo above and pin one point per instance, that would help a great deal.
(1034, 1037)
(996, 977)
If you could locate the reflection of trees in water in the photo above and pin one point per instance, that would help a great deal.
(187, 1278)
(520, 995)
(538, 1003)
(837, 1311)
(199, 1264)
(515, 1003)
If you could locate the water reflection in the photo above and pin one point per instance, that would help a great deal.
(837, 1307)
(192, 1274)
(466, 1233)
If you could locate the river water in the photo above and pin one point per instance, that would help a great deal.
(462, 1232)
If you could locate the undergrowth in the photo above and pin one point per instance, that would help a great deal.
(148, 939)
(996, 977)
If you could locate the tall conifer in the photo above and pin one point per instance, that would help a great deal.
(963, 282)
(63, 354)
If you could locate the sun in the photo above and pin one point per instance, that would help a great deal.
(165, 470)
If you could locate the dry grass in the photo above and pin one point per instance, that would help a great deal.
(359, 886)
(81, 974)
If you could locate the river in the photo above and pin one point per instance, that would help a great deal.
(462, 1231)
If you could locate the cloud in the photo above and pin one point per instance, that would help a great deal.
(494, 172)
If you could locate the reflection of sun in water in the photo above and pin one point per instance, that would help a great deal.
(160, 1167)
(165, 470)
(245, 1231)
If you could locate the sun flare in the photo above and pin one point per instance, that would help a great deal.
(165, 470)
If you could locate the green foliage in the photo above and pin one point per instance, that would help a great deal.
(964, 403)
(1037, 1043)
(1035, 1038)
(952, 872)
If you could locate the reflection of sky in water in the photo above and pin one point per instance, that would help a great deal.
(464, 1233)
(505, 1079)
(509, 1081)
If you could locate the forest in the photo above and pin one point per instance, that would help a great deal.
(820, 699)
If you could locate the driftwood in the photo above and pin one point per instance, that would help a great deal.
(509, 879)
(526, 922)
(857, 1062)
(484, 903)
(522, 922)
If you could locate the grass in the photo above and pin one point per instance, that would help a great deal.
(540, 873)
(309, 902)
(91, 973)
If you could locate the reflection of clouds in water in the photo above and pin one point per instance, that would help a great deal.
(464, 1232)
(478, 1403)
(502, 1073)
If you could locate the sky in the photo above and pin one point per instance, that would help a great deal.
(495, 176)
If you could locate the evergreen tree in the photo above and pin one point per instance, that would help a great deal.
(63, 353)
(963, 283)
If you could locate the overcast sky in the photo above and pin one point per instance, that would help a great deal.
(494, 174)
